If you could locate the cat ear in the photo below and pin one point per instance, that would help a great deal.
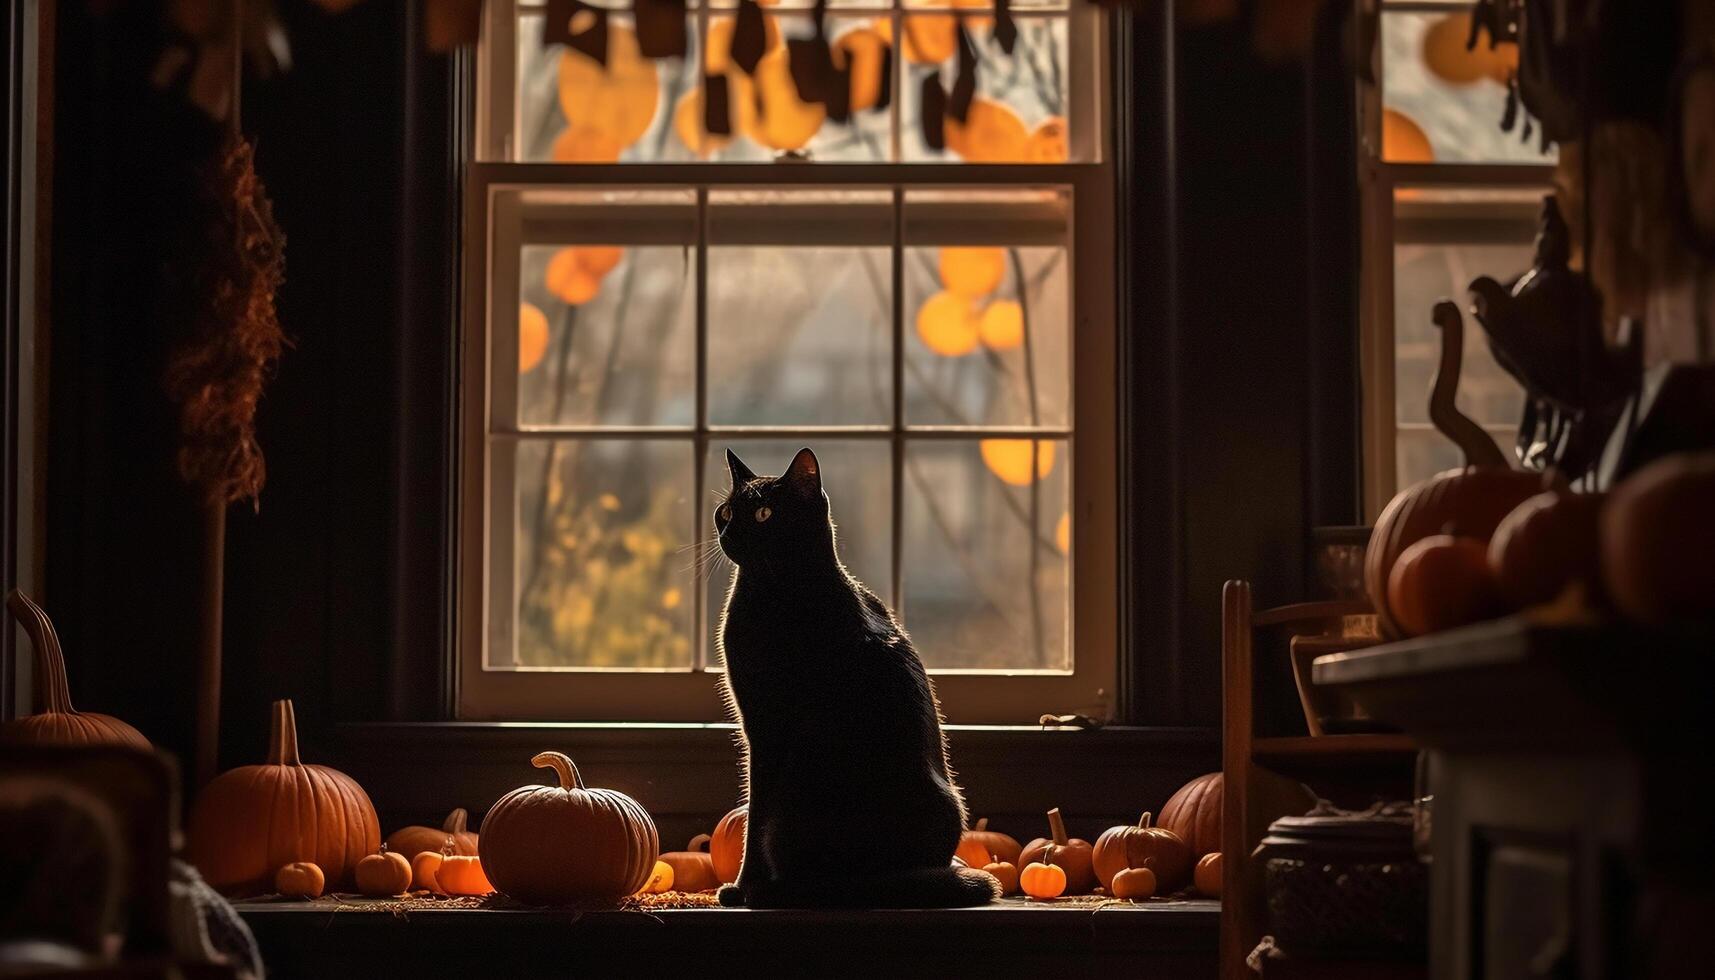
(741, 473)
(805, 474)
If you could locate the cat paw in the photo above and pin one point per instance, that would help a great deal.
(730, 896)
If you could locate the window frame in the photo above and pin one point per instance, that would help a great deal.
(1378, 182)
(691, 696)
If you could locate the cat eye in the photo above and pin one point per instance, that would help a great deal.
(763, 514)
(726, 512)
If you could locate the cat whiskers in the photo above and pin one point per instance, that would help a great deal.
(705, 554)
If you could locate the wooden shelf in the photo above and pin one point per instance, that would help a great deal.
(1277, 964)
(1348, 756)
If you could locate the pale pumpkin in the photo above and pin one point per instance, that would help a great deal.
(980, 845)
(1039, 880)
(693, 867)
(1194, 813)
(553, 845)
(1440, 583)
(1006, 873)
(425, 868)
(55, 721)
(1070, 854)
(417, 838)
(300, 879)
(1657, 538)
(387, 873)
(1143, 846)
(726, 846)
(1133, 883)
(1206, 877)
(251, 820)
(462, 874)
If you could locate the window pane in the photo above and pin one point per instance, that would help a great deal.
(799, 327)
(987, 580)
(987, 308)
(606, 335)
(857, 477)
(1445, 239)
(1444, 104)
(1019, 112)
(601, 576)
(573, 110)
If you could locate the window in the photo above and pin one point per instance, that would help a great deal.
(1449, 196)
(644, 292)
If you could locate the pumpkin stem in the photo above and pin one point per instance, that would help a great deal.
(567, 770)
(455, 821)
(53, 694)
(283, 735)
(982, 823)
(699, 843)
(1143, 821)
(1058, 827)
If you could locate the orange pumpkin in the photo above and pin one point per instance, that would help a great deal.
(1071, 854)
(1194, 813)
(1470, 502)
(387, 873)
(461, 874)
(726, 847)
(300, 879)
(1003, 846)
(1039, 880)
(251, 820)
(416, 839)
(1133, 883)
(55, 721)
(660, 879)
(1207, 875)
(1440, 583)
(551, 845)
(425, 868)
(1006, 873)
(1658, 536)
(1143, 846)
(1546, 545)
(693, 867)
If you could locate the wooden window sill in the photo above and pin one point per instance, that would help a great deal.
(1012, 937)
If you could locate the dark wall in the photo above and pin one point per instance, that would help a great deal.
(317, 598)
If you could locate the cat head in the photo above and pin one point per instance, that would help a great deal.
(780, 520)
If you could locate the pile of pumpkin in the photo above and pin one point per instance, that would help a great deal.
(1480, 542)
(1126, 862)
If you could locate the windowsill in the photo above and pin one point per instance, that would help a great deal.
(686, 775)
(1012, 937)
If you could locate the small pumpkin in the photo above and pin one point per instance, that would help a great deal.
(424, 870)
(693, 867)
(1442, 582)
(1133, 883)
(1143, 846)
(1207, 875)
(660, 879)
(300, 879)
(1194, 813)
(251, 820)
(1039, 880)
(386, 873)
(1657, 539)
(726, 845)
(980, 845)
(416, 839)
(1006, 873)
(462, 874)
(1071, 854)
(55, 721)
(552, 845)
(1546, 545)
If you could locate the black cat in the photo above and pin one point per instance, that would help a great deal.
(851, 800)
